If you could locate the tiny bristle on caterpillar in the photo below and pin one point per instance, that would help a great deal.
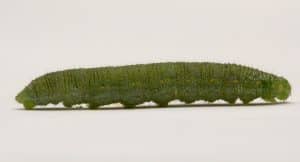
(158, 82)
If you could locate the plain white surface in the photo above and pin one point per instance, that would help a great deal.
(43, 36)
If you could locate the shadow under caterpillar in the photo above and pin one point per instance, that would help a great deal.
(159, 82)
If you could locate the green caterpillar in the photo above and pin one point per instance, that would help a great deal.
(159, 82)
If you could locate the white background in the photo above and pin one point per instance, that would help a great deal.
(39, 36)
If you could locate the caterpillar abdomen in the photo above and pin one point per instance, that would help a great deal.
(159, 82)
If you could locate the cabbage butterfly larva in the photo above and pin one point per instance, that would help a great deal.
(159, 82)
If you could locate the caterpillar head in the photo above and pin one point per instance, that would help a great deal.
(281, 88)
(25, 97)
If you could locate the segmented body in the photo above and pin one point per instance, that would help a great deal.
(159, 82)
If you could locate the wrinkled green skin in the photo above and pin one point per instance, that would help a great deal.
(159, 82)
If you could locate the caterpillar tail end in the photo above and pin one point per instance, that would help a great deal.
(23, 99)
